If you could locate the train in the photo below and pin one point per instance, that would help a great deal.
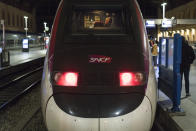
(98, 73)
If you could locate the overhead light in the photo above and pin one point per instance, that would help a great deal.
(187, 31)
(164, 4)
(182, 32)
(172, 18)
(26, 17)
(193, 31)
(167, 33)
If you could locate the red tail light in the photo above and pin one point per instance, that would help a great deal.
(131, 78)
(66, 79)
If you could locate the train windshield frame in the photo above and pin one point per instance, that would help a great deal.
(98, 21)
(124, 30)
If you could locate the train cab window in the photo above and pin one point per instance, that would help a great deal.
(97, 21)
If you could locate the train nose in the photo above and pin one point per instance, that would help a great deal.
(98, 106)
(59, 120)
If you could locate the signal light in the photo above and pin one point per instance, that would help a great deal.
(131, 78)
(66, 79)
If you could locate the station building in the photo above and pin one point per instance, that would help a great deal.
(15, 24)
(186, 11)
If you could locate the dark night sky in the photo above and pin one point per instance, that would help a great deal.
(46, 8)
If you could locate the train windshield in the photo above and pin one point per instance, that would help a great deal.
(97, 21)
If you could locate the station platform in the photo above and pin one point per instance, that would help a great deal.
(18, 57)
(188, 104)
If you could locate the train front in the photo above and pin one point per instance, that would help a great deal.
(97, 74)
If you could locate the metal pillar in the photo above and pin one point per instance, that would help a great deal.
(5, 55)
(3, 29)
(164, 4)
(177, 76)
(45, 28)
(26, 26)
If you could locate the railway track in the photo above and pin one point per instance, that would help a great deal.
(31, 118)
(16, 85)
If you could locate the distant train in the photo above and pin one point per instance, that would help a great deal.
(98, 73)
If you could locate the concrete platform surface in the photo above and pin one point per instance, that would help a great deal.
(18, 57)
(188, 104)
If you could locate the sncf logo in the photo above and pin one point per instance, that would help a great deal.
(99, 59)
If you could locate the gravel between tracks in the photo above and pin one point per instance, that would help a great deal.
(36, 123)
(15, 116)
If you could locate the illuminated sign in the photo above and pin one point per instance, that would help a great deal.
(166, 23)
(150, 23)
(99, 59)
(25, 44)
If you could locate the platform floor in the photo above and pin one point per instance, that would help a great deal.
(188, 104)
(17, 56)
